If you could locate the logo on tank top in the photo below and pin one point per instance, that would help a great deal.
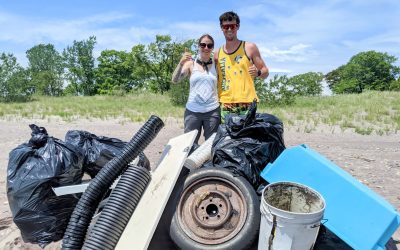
(238, 58)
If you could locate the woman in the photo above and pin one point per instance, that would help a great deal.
(202, 108)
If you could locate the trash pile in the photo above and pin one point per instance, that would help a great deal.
(45, 162)
(214, 205)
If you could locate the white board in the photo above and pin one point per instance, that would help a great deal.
(140, 229)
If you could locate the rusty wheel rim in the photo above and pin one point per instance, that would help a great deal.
(212, 210)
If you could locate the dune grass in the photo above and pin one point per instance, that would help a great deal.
(366, 113)
(135, 107)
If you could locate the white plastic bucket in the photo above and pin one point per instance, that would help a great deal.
(291, 214)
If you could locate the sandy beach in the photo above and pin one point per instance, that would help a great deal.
(372, 159)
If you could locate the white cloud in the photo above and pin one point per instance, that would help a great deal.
(331, 32)
(24, 33)
(293, 36)
(295, 53)
(273, 70)
(329, 22)
(387, 42)
(30, 31)
(193, 30)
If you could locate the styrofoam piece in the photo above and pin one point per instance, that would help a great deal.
(200, 155)
(355, 213)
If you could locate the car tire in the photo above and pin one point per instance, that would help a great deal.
(217, 210)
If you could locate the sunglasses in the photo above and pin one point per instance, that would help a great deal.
(208, 45)
(229, 26)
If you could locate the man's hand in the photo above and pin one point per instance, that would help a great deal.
(253, 71)
(258, 64)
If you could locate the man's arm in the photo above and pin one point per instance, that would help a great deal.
(216, 56)
(258, 63)
(216, 62)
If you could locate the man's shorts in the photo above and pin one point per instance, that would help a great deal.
(234, 108)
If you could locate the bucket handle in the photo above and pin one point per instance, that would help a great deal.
(323, 221)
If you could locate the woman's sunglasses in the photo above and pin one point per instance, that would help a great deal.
(229, 26)
(208, 45)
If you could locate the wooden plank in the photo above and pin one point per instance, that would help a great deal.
(140, 229)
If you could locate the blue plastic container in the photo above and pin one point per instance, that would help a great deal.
(356, 214)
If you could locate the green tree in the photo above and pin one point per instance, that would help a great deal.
(276, 91)
(79, 62)
(14, 82)
(308, 84)
(369, 70)
(334, 77)
(159, 59)
(113, 72)
(139, 64)
(179, 92)
(45, 69)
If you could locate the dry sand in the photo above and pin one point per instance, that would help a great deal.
(374, 160)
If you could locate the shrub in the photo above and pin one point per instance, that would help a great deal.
(179, 93)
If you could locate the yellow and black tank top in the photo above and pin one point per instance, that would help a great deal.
(235, 84)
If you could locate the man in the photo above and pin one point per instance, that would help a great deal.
(238, 63)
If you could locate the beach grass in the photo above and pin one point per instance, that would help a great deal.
(136, 107)
(366, 113)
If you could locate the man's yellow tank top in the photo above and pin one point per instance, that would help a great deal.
(235, 84)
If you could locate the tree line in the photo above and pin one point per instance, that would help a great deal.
(76, 71)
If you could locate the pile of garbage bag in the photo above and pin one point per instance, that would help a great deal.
(45, 162)
(34, 168)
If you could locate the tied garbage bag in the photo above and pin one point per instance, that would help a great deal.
(33, 169)
(245, 144)
(98, 150)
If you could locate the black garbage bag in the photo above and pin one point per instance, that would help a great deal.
(33, 169)
(246, 144)
(98, 150)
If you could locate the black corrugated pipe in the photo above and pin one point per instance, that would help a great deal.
(90, 199)
(119, 208)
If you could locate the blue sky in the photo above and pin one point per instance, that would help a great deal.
(293, 36)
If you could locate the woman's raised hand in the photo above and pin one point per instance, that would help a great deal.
(187, 56)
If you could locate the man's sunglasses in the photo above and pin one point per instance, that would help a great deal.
(229, 26)
(208, 45)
